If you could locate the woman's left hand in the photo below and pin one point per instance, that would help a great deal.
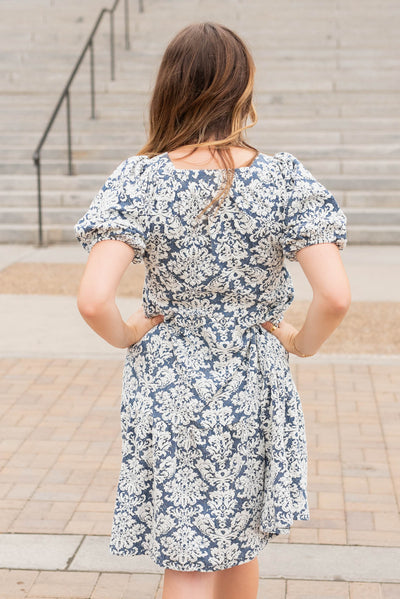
(285, 333)
(138, 325)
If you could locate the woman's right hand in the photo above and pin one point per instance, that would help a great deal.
(138, 325)
(285, 333)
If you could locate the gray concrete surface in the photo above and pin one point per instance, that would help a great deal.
(373, 271)
(43, 324)
(39, 325)
(326, 90)
(35, 551)
(90, 553)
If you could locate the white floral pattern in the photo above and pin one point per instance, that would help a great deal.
(214, 456)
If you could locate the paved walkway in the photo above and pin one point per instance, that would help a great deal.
(326, 91)
(60, 452)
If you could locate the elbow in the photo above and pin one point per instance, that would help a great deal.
(337, 303)
(89, 308)
(340, 305)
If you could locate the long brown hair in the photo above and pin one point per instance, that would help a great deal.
(203, 96)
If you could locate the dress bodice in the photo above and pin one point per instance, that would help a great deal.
(219, 275)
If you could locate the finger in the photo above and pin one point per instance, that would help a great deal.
(157, 319)
(270, 327)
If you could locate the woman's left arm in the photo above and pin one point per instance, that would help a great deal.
(107, 262)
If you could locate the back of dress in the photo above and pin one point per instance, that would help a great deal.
(213, 427)
(230, 266)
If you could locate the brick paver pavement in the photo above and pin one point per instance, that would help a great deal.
(18, 584)
(59, 418)
(60, 448)
(60, 455)
(60, 458)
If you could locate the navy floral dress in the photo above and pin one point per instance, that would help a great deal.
(214, 456)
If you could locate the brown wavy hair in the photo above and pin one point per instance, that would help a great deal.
(203, 96)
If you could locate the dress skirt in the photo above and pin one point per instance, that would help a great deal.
(214, 456)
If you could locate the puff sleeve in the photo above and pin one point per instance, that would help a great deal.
(311, 213)
(118, 211)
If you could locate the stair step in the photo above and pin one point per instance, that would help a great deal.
(356, 217)
(54, 167)
(366, 182)
(339, 182)
(374, 235)
(41, 100)
(52, 182)
(66, 216)
(115, 116)
(29, 234)
(81, 197)
(50, 199)
(367, 199)
(86, 163)
(380, 153)
(322, 93)
(372, 216)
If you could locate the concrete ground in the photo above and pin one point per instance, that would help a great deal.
(39, 287)
(60, 388)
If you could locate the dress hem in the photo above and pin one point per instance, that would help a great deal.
(164, 563)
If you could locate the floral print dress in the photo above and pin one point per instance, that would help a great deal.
(214, 456)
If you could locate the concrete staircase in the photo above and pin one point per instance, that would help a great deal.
(327, 91)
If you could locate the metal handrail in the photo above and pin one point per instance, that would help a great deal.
(65, 95)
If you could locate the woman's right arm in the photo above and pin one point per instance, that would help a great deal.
(325, 272)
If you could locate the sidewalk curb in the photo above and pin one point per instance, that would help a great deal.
(295, 561)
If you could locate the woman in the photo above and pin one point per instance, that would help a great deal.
(214, 452)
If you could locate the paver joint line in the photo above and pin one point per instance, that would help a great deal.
(71, 559)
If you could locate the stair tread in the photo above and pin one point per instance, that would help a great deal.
(321, 94)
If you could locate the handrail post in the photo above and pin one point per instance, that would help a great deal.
(112, 50)
(39, 198)
(127, 38)
(92, 93)
(89, 45)
(68, 107)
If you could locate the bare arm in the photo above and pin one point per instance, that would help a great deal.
(325, 272)
(107, 262)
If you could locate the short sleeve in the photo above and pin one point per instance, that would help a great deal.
(311, 213)
(117, 211)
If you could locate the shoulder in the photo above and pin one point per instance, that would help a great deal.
(132, 167)
(295, 174)
(132, 175)
(128, 181)
(284, 164)
(287, 164)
